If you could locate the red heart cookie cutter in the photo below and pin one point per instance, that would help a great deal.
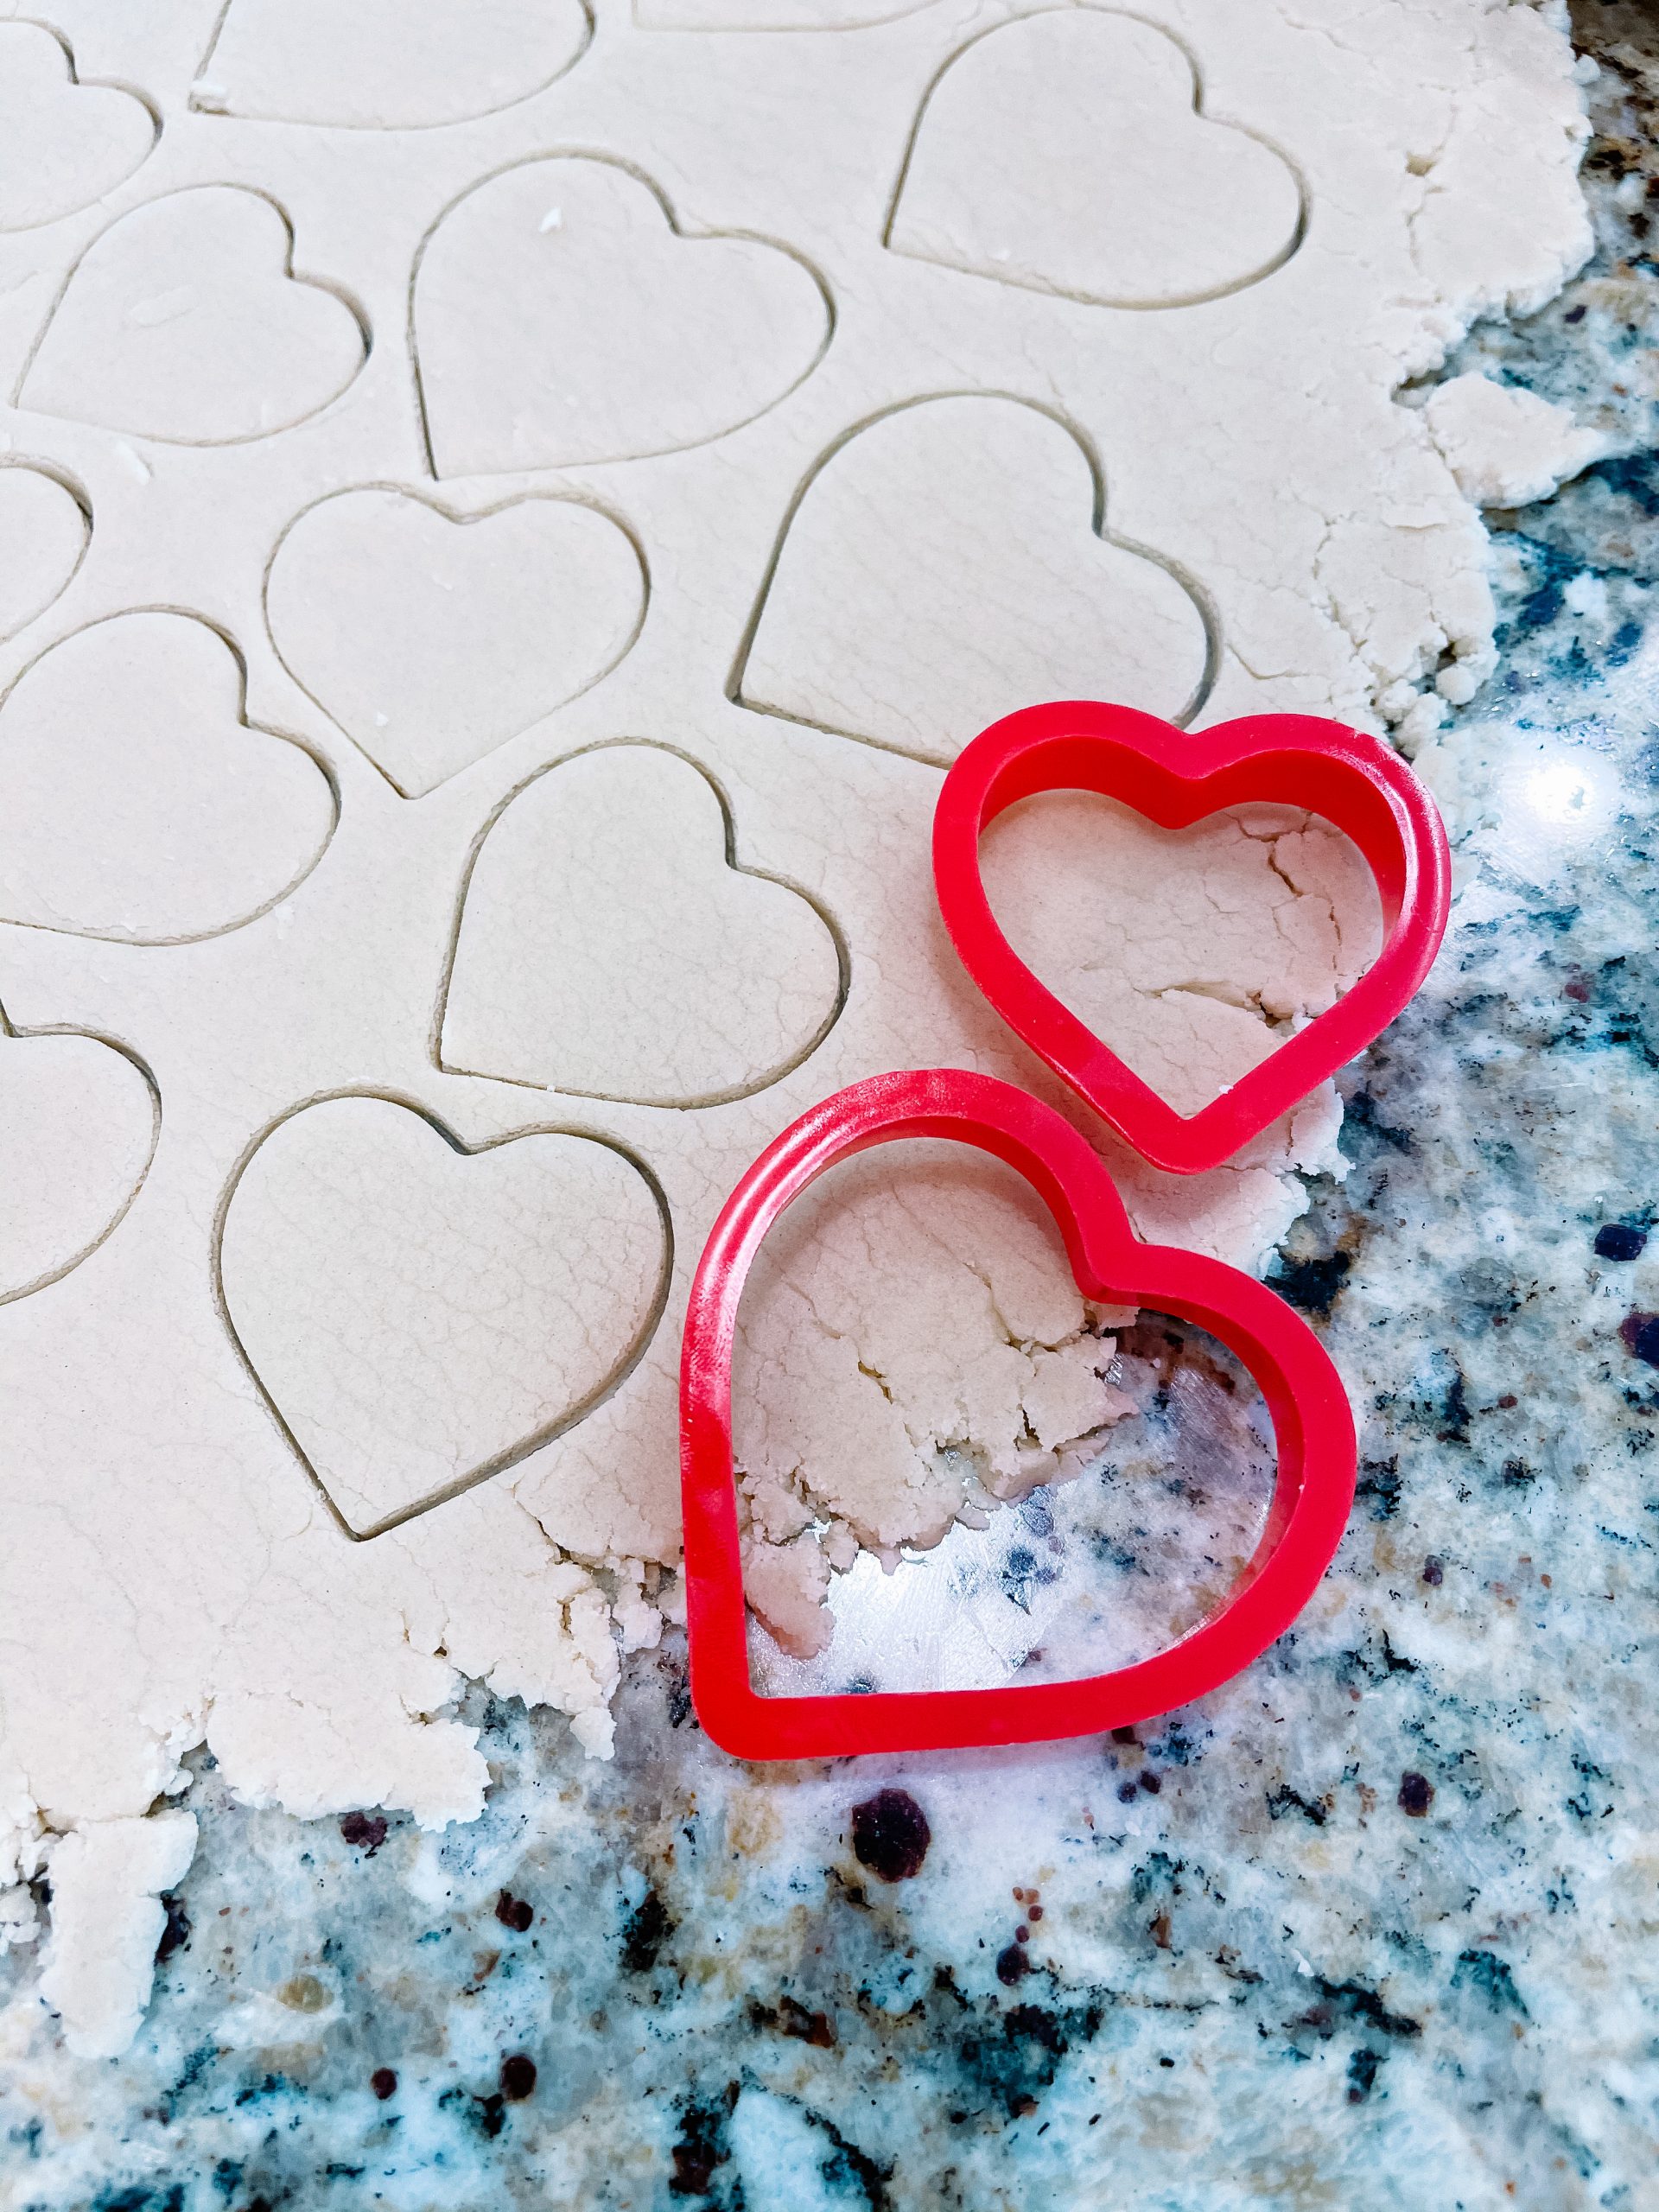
(1357, 782)
(1312, 1425)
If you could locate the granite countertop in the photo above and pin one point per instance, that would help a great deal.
(1373, 1927)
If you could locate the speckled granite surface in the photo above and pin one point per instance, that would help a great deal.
(1377, 1927)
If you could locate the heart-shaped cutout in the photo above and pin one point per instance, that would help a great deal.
(374, 66)
(432, 636)
(137, 802)
(610, 945)
(1312, 1424)
(952, 558)
(419, 1315)
(1069, 152)
(1357, 782)
(561, 316)
(186, 320)
(64, 142)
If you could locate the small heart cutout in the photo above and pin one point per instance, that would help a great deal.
(561, 316)
(1312, 1424)
(184, 322)
(63, 143)
(378, 64)
(952, 559)
(79, 1121)
(431, 637)
(137, 801)
(1357, 782)
(610, 945)
(420, 1315)
(1067, 152)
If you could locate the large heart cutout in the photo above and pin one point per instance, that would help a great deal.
(1312, 1424)
(433, 637)
(950, 559)
(1358, 783)
(1068, 152)
(561, 316)
(419, 1315)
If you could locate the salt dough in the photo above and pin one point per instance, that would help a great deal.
(564, 976)
(63, 144)
(187, 320)
(107, 1919)
(421, 1317)
(1506, 446)
(770, 15)
(432, 636)
(911, 1346)
(136, 802)
(950, 563)
(1205, 948)
(44, 532)
(372, 65)
(1280, 533)
(1069, 152)
(79, 1120)
(561, 314)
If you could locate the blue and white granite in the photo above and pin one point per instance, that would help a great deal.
(1375, 1927)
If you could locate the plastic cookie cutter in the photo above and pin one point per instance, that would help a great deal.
(1312, 1427)
(1358, 783)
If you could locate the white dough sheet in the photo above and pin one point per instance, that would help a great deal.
(506, 513)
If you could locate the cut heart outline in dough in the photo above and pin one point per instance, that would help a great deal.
(880, 617)
(46, 526)
(664, 967)
(391, 68)
(659, 337)
(334, 1171)
(186, 320)
(80, 1121)
(1073, 188)
(117, 821)
(431, 637)
(723, 16)
(50, 116)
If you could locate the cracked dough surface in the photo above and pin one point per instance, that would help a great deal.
(240, 877)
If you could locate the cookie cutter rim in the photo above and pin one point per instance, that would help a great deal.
(1357, 782)
(1312, 1424)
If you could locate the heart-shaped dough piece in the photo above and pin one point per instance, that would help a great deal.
(184, 322)
(44, 533)
(432, 637)
(137, 801)
(944, 567)
(419, 1315)
(380, 64)
(79, 1120)
(561, 316)
(610, 944)
(63, 144)
(1066, 152)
